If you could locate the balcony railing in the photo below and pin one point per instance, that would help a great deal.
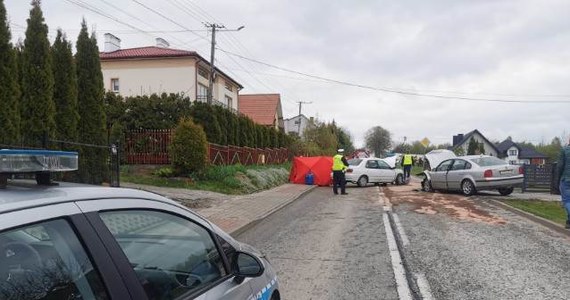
(216, 102)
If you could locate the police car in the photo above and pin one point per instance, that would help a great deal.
(70, 241)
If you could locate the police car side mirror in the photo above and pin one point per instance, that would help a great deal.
(246, 265)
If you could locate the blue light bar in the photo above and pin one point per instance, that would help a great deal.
(32, 161)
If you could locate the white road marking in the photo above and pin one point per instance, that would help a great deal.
(400, 230)
(404, 292)
(423, 285)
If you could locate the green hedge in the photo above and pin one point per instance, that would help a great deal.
(221, 125)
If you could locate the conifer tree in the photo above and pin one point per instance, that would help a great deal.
(65, 89)
(9, 85)
(92, 163)
(203, 114)
(231, 127)
(37, 106)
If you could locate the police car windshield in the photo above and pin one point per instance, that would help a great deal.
(354, 161)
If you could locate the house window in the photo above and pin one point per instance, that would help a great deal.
(202, 92)
(513, 162)
(513, 153)
(203, 72)
(115, 85)
(229, 101)
(229, 86)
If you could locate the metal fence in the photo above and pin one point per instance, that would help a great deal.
(113, 162)
(538, 177)
(151, 147)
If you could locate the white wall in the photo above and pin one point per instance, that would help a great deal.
(290, 125)
(148, 76)
(513, 158)
(489, 150)
(144, 77)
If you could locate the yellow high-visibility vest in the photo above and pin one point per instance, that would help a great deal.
(337, 163)
(407, 160)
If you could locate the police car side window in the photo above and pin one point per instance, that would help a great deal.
(372, 164)
(46, 261)
(171, 256)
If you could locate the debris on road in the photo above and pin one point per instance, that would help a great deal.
(454, 205)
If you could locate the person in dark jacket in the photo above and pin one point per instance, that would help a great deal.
(564, 175)
(340, 165)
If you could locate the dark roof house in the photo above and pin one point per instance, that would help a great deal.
(462, 141)
(522, 153)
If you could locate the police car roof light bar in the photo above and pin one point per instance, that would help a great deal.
(39, 162)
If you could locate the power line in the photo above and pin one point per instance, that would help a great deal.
(389, 90)
(169, 19)
(196, 12)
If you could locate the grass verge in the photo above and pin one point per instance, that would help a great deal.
(233, 180)
(550, 210)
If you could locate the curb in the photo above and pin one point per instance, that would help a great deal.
(540, 220)
(236, 232)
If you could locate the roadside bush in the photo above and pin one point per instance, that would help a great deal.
(164, 172)
(189, 148)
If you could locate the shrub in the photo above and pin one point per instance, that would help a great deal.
(188, 148)
(164, 172)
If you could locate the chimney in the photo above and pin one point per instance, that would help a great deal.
(457, 139)
(162, 43)
(112, 43)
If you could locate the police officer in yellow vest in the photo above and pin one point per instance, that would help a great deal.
(339, 167)
(407, 162)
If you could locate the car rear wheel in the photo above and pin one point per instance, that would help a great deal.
(362, 181)
(467, 187)
(399, 179)
(506, 191)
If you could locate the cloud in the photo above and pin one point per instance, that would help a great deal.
(488, 48)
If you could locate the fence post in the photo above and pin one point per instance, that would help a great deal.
(525, 180)
(118, 164)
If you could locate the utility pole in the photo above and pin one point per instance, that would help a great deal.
(300, 107)
(215, 27)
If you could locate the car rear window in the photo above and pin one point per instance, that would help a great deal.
(354, 161)
(488, 161)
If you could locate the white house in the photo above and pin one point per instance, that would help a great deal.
(160, 69)
(462, 141)
(298, 124)
(515, 154)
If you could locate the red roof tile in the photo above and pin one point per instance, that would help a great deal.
(145, 52)
(261, 108)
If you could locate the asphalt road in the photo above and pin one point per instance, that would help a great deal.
(453, 247)
(469, 249)
(329, 247)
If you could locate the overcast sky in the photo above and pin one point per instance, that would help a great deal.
(492, 49)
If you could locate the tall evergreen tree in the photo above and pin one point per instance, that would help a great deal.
(231, 127)
(203, 114)
(473, 147)
(92, 163)
(65, 89)
(37, 107)
(9, 85)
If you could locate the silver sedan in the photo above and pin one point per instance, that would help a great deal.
(473, 173)
(372, 170)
